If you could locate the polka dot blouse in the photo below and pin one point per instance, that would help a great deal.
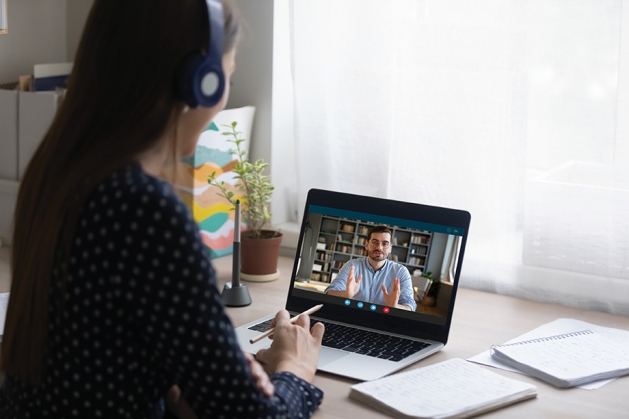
(140, 312)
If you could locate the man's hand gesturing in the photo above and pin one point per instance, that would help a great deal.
(391, 298)
(352, 286)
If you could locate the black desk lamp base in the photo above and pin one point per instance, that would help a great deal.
(236, 296)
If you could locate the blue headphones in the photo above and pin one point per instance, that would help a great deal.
(201, 81)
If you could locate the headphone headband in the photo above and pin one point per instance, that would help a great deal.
(216, 32)
(201, 81)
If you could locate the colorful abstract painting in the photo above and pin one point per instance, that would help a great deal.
(212, 212)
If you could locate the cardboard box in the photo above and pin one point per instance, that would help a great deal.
(36, 111)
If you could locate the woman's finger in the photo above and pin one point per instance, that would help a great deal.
(261, 378)
(303, 320)
(317, 332)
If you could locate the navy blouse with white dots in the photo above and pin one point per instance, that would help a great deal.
(139, 312)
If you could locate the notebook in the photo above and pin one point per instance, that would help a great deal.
(566, 360)
(449, 389)
(334, 231)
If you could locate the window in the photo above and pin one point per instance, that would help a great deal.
(511, 110)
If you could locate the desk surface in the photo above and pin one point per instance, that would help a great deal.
(480, 319)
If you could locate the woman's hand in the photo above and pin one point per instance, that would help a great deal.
(295, 347)
(177, 404)
(260, 376)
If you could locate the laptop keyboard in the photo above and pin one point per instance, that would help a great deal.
(361, 341)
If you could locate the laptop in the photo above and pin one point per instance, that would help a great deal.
(365, 340)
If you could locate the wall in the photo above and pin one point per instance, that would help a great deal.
(284, 170)
(37, 34)
(76, 15)
(263, 79)
(254, 83)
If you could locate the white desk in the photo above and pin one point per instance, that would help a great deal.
(480, 319)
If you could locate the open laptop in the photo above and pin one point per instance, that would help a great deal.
(333, 231)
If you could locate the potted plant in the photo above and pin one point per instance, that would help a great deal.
(430, 299)
(259, 246)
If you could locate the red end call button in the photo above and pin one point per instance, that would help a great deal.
(386, 310)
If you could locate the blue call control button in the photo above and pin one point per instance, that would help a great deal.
(347, 302)
(372, 307)
(360, 304)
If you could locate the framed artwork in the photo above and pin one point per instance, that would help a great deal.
(3, 17)
(213, 213)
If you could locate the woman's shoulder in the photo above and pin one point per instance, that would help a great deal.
(130, 184)
(131, 194)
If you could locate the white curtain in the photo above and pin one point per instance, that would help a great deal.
(512, 110)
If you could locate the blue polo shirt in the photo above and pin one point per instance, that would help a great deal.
(371, 284)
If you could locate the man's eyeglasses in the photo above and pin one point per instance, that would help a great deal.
(377, 243)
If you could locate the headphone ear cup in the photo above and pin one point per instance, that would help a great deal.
(210, 82)
(186, 80)
(199, 82)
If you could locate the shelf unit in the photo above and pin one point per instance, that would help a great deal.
(343, 239)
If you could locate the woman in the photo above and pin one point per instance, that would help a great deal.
(114, 301)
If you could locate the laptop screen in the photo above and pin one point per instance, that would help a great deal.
(379, 263)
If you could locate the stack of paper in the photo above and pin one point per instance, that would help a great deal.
(566, 360)
(605, 336)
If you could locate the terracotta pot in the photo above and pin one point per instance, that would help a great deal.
(259, 256)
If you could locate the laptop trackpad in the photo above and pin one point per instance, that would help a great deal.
(329, 355)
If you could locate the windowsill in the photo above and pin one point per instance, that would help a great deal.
(290, 239)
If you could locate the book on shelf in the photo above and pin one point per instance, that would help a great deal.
(566, 360)
(348, 227)
(450, 389)
(343, 248)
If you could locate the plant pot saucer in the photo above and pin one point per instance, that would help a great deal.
(260, 278)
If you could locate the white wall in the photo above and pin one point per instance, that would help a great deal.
(284, 168)
(37, 34)
(263, 79)
(76, 15)
(40, 31)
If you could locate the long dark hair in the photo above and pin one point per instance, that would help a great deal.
(120, 101)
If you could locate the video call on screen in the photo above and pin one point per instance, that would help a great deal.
(333, 237)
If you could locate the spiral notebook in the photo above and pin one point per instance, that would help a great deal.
(566, 360)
